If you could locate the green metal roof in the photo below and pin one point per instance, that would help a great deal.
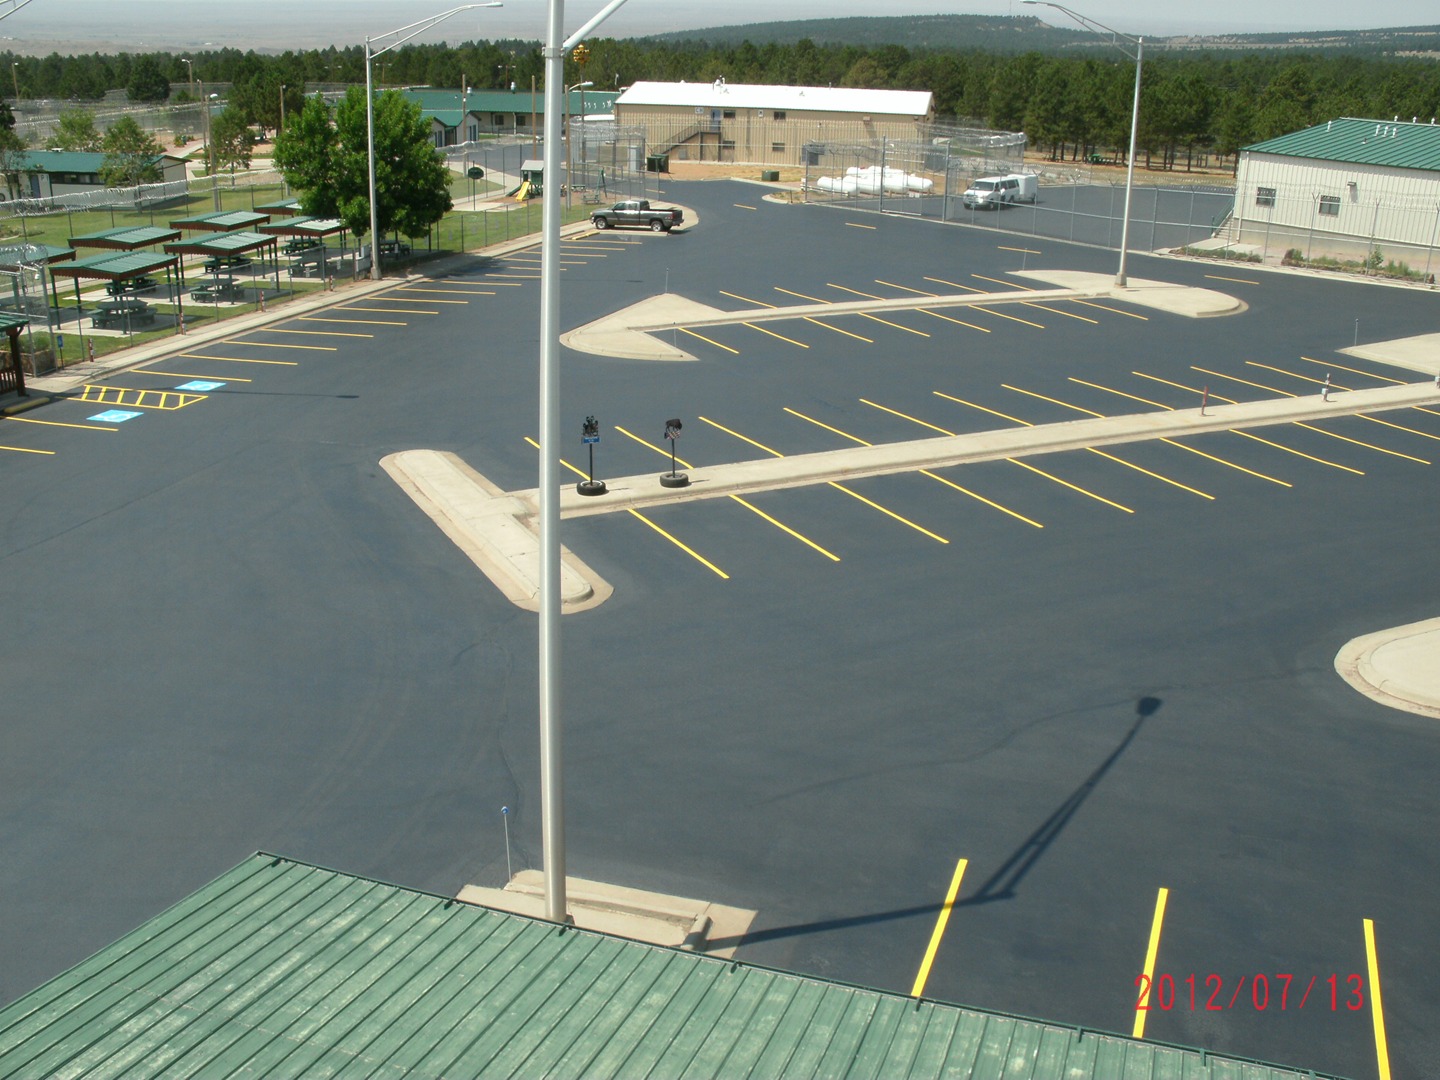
(56, 161)
(449, 108)
(116, 267)
(13, 255)
(284, 207)
(281, 969)
(232, 219)
(1361, 142)
(126, 239)
(10, 321)
(303, 226)
(220, 243)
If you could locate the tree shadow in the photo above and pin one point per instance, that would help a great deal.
(1001, 885)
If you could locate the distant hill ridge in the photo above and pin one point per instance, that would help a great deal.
(1009, 34)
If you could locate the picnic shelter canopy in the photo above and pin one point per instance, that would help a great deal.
(229, 220)
(282, 208)
(313, 227)
(126, 239)
(14, 256)
(118, 267)
(221, 244)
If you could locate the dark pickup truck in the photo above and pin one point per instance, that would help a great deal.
(638, 213)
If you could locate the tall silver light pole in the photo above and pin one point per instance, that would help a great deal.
(370, 53)
(552, 786)
(1139, 54)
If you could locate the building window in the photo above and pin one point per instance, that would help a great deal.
(777, 147)
(1264, 196)
(1330, 205)
(778, 115)
(728, 114)
(499, 120)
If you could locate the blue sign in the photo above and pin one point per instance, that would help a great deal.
(589, 440)
(200, 385)
(115, 416)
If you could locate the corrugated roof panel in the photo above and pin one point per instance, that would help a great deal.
(1361, 142)
(278, 969)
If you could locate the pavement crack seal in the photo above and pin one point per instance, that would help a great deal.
(498, 532)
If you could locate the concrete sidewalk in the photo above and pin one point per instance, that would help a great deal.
(1398, 667)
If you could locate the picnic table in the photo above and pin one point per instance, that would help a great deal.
(216, 263)
(296, 244)
(391, 249)
(221, 287)
(132, 286)
(126, 312)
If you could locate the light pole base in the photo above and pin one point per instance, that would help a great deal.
(674, 480)
(591, 487)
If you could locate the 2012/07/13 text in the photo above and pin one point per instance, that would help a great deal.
(1207, 993)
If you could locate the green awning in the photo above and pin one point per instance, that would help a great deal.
(220, 243)
(283, 208)
(120, 267)
(226, 222)
(304, 226)
(127, 239)
(13, 256)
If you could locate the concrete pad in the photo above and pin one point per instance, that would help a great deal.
(1183, 300)
(1419, 353)
(1399, 667)
(618, 335)
(495, 530)
(675, 921)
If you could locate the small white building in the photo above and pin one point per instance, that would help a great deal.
(1344, 188)
(768, 125)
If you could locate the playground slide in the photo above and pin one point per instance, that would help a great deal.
(522, 192)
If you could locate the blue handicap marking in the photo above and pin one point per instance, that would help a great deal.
(202, 385)
(115, 416)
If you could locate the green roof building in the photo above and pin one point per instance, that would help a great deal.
(458, 116)
(281, 969)
(1343, 188)
(45, 173)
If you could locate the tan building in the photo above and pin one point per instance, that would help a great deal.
(766, 125)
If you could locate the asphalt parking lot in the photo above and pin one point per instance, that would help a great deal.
(1090, 676)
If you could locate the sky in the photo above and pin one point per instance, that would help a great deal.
(115, 25)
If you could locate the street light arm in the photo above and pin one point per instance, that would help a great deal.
(417, 28)
(1091, 24)
(579, 35)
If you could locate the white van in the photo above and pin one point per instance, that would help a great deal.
(990, 191)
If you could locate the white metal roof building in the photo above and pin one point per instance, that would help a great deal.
(1346, 188)
(723, 121)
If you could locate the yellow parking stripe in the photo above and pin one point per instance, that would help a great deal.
(1121, 393)
(1151, 951)
(352, 322)
(1357, 442)
(1072, 487)
(1012, 318)
(1231, 464)
(737, 296)
(160, 400)
(856, 292)
(1057, 311)
(888, 513)
(982, 408)
(742, 438)
(1377, 1008)
(746, 206)
(1244, 382)
(1182, 386)
(786, 528)
(446, 292)
(772, 333)
(939, 932)
(282, 345)
(307, 333)
(659, 450)
(1241, 280)
(1354, 371)
(1397, 427)
(801, 295)
(981, 498)
(680, 544)
(827, 427)
(1155, 475)
(856, 225)
(1297, 453)
(947, 318)
(1113, 310)
(847, 333)
(59, 423)
(174, 375)
(903, 416)
(1294, 375)
(953, 284)
(887, 322)
(405, 299)
(27, 450)
(1053, 401)
(238, 359)
(395, 311)
(1007, 284)
(702, 337)
(904, 288)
